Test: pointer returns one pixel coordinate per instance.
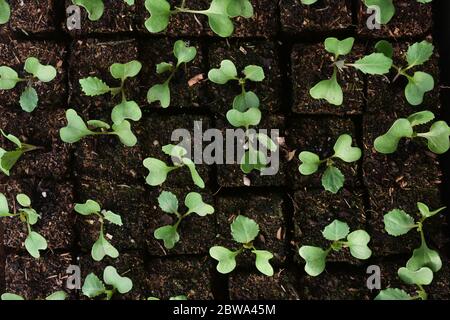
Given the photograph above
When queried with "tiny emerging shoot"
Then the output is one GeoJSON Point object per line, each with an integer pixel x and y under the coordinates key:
{"type": "Point", "coordinates": [397, 222]}
{"type": "Point", "coordinates": [330, 90]}
{"type": "Point", "coordinates": [77, 129]}
{"type": "Point", "coordinates": [438, 136]}
{"type": "Point", "coordinates": [168, 202]}
{"type": "Point", "coordinates": [95, 8]}
{"type": "Point", "coordinates": [332, 179]}
{"type": "Point", "coordinates": [219, 13]}
{"type": "Point", "coordinates": [9, 158]}
{"type": "Point", "coordinates": [93, 287]}
{"type": "Point", "coordinates": [5, 12]}
{"type": "Point", "coordinates": [55, 296]}
{"type": "Point", "coordinates": [338, 233]}
{"type": "Point", "coordinates": [101, 247]}
{"type": "Point", "coordinates": [93, 86]}
{"type": "Point", "coordinates": [27, 215]}
{"type": "Point", "coordinates": [244, 231]}
{"type": "Point", "coordinates": [159, 169]}
{"type": "Point", "coordinates": [419, 82]}
{"type": "Point", "coordinates": [9, 78]}
{"type": "Point", "coordinates": [161, 92]}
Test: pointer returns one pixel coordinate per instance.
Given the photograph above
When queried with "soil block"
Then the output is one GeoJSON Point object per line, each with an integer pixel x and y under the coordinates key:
{"type": "Point", "coordinates": [252, 286]}
{"type": "Point", "coordinates": [263, 54]}
{"type": "Point", "coordinates": [318, 136]}
{"type": "Point", "coordinates": [267, 211]}
{"type": "Point", "coordinates": [312, 64]}
{"type": "Point", "coordinates": [187, 87]}
{"type": "Point", "coordinates": [321, 17]}
{"type": "Point", "coordinates": [411, 19]}
{"type": "Point", "coordinates": [40, 128]}
{"type": "Point", "coordinates": [14, 53]}
{"type": "Point", "coordinates": [53, 202]}
{"type": "Point", "coordinates": [37, 278]}
{"type": "Point", "coordinates": [314, 210]}
{"type": "Point", "coordinates": [33, 16]}
{"type": "Point", "coordinates": [173, 277]}
{"type": "Point", "coordinates": [231, 175]}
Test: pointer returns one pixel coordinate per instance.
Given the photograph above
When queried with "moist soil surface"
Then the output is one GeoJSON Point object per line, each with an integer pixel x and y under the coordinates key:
{"type": "Point", "coordinates": [285, 38]}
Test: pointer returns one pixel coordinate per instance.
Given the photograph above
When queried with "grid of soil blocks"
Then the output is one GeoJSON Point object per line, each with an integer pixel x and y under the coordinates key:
{"type": "Point", "coordinates": [285, 38]}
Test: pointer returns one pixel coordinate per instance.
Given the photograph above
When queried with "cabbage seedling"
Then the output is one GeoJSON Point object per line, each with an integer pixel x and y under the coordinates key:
{"type": "Point", "coordinates": [101, 247]}
{"type": "Point", "coordinates": [5, 11]}
{"type": "Point", "coordinates": [438, 136]}
{"type": "Point", "coordinates": [159, 169]}
{"type": "Point", "coordinates": [34, 241]}
{"type": "Point", "coordinates": [77, 129]}
{"type": "Point", "coordinates": [397, 222]}
{"type": "Point", "coordinates": [332, 179]}
{"type": "Point", "coordinates": [338, 233]}
{"type": "Point", "coordinates": [168, 202]}
{"type": "Point", "coordinates": [9, 78]}
{"type": "Point", "coordinates": [161, 92]}
{"type": "Point", "coordinates": [9, 158]}
{"type": "Point", "coordinates": [385, 9]}
{"type": "Point", "coordinates": [419, 278]}
{"type": "Point", "coordinates": [330, 90]}
{"type": "Point", "coordinates": [58, 295]}
{"type": "Point", "coordinates": [93, 287]}
{"type": "Point", "coordinates": [95, 8]}
{"type": "Point", "coordinates": [219, 13]}
{"type": "Point", "coordinates": [244, 231]}
{"type": "Point", "coordinates": [419, 82]}
{"type": "Point", "coordinates": [93, 86]}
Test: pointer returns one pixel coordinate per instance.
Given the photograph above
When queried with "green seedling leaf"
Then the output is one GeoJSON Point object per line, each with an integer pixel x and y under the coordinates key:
{"type": "Point", "coordinates": [113, 218]}
{"type": "Point", "coordinates": [417, 86]}
{"type": "Point", "coordinates": [5, 13]}
{"type": "Point", "coordinates": [333, 179]}
{"type": "Point", "coordinates": [421, 117]}
{"type": "Point", "coordinates": [329, 90]}
{"type": "Point", "coordinates": [23, 200]}
{"type": "Point", "coordinates": [93, 286]}
{"type": "Point", "coordinates": [424, 257]}
{"type": "Point", "coordinates": [218, 18]}
{"type": "Point", "coordinates": [88, 208]}
{"type": "Point", "coordinates": [8, 159]}
{"type": "Point", "coordinates": [339, 47]}
{"type": "Point", "coordinates": [336, 230]}
{"type": "Point", "coordinates": [93, 86]}
{"type": "Point", "coordinates": [178, 298]}
{"type": "Point", "coordinates": [168, 202]}
{"type": "Point", "coordinates": [4, 209]}
{"type": "Point", "coordinates": [423, 276]}
{"type": "Point", "coordinates": [385, 8]}
{"type": "Point", "coordinates": [32, 215]}
{"type": "Point", "coordinates": [168, 234]}
{"type": "Point", "coordinates": [57, 296]}
{"type": "Point", "coordinates": [245, 101]}
{"type": "Point", "coordinates": [310, 163]}
{"type": "Point", "coordinates": [225, 73]}
{"type": "Point", "coordinates": [226, 258]}
{"type": "Point", "coordinates": [34, 243]}
{"type": "Point", "coordinates": [75, 130]}
{"type": "Point", "coordinates": [357, 242]}
{"type": "Point", "coordinates": [376, 63]}
{"type": "Point", "coordinates": [98, 124]}
{"type": "Point", "coordinates": [254, 73]}
{"type": "Point", "coordinates": [195, 204]}
{"type": "Point", "coordinates": [398, 222]}
{"type": "Point", "coordinates": [44, 73]}
{"type": "Point", "coordinates": [184, 53]}
{"type": "Point", "coordinates": [315, 259]}
{"type": "Point", "coordinates": [385, 47]}
{"type": "Point", "coordinates": [388, 142]}
{"type": "Point", "coordinates": [425, 210]}
{"type": "Point", "coordinates": [198, 181]}
{"type": "Point", "coordinates": [393, 294]}
{"type": "Point", "coordinates": [419, 53]}
{"type": "Point", "coordinates": [127, 70]}
{"type": "Point", "coordinates": [12, 138]}
{"type": "Point", "coordinates": [253, 160]}
{"type": "Point", "coordinates": [8, 77]}
{"type": "Point", "coordinates": [126, 110]}
{"type": "Point", "coordinates": [174, 151]}
{"type": "Point", "coordinates": [240, 8]}
{"type": "Point", "coordinates": [244, 230]}
{"type": "Point", "coordinates": [262, 262]}
{"type": "Point", "coordinates": [163, 67]}
{"type": "Point", "coordinates": [29, 99]}
{"type": "Point", "coordinates": [343, 149]}
{"type": "Point", "coordinates": [158, 171]}
{"type": "Point", "coordinates": [267, 142]}
{"type": "Point", "coordinates": [161, 93]}
{"type": "Point", "coordinates": [438, 137]}
{"type": "Point", "coordinates": [11, 296]}
{"type": "Point", "coordinates": [159, 15]}
{"type": "Point", "coordinates": [94, 8]}
{"type": "Point", "coordinates": [237, 119]}
{"type": "Point", "coordinates": [123, 131]}
{"type": "Point", "coordinates": [102, 248]}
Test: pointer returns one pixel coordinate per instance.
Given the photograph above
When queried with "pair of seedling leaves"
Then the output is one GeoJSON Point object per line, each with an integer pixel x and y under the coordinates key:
{"type": "Point", "coordinates": [438, 136]}
{"type": "Point", "coordinates": [9, 158]}
{"type": "Point", "coordinates": [385, 8]}
{"type": "Point", "coordinates": [332, 179]}
{"type": "Point", "coordinates": [338, 233]}
{"type": "Point", "coordinates": [55, 296]}
{"type": "Point", "coordinates": [94, 287]}
{"type": "Point", "coordinates": [159, 170]}
{"type": "Point", "coordinates": [244, 231]}
{"type": "Point", "coordinates": [245, 112]}
{"type": "Point", "coordinates": [34, 241]}
{"type": "Point", "coordinates": [9, 79]}
{"type": "Point", "coordinates": [424, 261]}
{"type": "Point", "coordinates": [168, 203]}
{"type": "Point", "coordinates": [219, 13]}
{"type": "Point", "coordinates": [95, 8]}
{"type": "Point", "coordinates": [101, 247]}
